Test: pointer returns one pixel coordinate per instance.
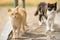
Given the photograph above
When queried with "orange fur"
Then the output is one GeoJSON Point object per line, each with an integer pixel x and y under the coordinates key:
{"type": "Point", "coordinates": [18, 20]}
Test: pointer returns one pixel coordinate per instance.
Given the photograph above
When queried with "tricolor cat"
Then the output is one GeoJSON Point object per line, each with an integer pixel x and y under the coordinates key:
{"type": "Point", "coordinates": [47, 11]}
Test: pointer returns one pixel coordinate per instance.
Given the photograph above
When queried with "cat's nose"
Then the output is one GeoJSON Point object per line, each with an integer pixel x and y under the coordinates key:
{"type": "Point", "coordinates": [15, 16]}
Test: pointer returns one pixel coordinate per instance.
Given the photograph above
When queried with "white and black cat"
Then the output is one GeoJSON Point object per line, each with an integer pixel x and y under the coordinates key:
{"type": "Point", "coordinates": [47, 11]}
{"type": "Point", "coordinates": [51, 16]}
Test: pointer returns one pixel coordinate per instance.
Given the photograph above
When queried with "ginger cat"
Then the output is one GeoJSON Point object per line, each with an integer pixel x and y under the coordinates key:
{"type": "Point", "coordinates": [17, 16]}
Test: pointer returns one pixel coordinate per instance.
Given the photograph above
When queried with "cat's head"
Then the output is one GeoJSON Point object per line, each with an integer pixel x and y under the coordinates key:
{"type": "Point", "coordinates": [13, 12]}
{"type": "Point", "coordinates": [52, 6]}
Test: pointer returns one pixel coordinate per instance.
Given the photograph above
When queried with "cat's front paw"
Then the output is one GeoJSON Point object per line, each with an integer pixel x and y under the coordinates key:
{"type": "Point", "coordinates": [52, 29]}
{"type": "Point", "coordinates": [40, 23]}
{"type": "Point", "coordinates": [47, 29]}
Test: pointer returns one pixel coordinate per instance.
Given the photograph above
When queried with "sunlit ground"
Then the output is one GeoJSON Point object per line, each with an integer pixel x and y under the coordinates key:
{"type": "Point", "coordinates": [30, 12]}
{"type": "Point", "coordinates": [3, 9]}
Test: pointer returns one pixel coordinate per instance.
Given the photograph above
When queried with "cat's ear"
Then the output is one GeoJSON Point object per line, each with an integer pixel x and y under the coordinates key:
{"type": "Point", "coordinates": [48, 4]}
{"type": "Point", "coordinates": [9, 10]}
{"type": "Point", "coordinates": [17, 8]}
{"type": "Point", "coordinates": [56, 4]}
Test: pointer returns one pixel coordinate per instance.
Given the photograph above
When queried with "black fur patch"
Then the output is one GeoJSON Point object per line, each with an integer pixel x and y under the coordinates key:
{"type": "Point", "coordinates": [52, 6]}
{"type": "Point", "coordinates": [41, 9]}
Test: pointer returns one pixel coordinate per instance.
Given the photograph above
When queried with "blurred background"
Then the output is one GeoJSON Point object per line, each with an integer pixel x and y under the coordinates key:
{"type": "Point", "coordinates": [27, 2]}
{"type": "Point", "coordinates": [4, 4]}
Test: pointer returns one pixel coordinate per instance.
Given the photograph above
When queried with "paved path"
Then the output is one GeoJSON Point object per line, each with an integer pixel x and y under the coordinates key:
{"type": "Point", "coordinates": [32, 21]}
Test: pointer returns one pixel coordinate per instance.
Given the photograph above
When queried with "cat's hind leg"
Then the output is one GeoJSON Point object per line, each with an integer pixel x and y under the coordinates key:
{"type": "Point", "coordinates": [40, 20]}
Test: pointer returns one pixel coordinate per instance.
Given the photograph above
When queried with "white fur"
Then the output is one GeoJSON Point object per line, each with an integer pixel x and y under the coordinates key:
{"type": "Point", "coordinates": [40, 23]}
{"type": "Point", "coordinates": [39, 13]}
{"type": "Point", "coordinates": [10, 18]}
{"type": "Point", "coordinates": [50, 15]}
{"type": "Point", "coordinates": [47, 25]}
{"type": "Point", "coordinates": [49, 12]}
{"type": "Point", "coordinates": [52, 23]}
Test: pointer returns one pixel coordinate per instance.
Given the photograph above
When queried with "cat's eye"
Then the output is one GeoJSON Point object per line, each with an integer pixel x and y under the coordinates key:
{"type": "Point", "coordinates": [12, 14]}
{"type": "Point", "coordinates": [16, 13]}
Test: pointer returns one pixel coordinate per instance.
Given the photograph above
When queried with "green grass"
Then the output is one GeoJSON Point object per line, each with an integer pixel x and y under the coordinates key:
{"type": "Point", "coordinates": [12, 4]}
{"type": "Point", "coordinates": [29, 4]}
{"type": "Point", "coordinates": [7, 4]}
